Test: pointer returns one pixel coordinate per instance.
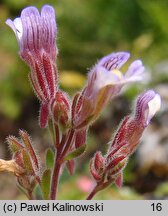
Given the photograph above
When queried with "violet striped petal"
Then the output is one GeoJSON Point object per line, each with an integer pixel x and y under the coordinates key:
{"type": "Point", "coordinates": [148, 104]}
{"type": "Point", "coordinates": [114, 60]}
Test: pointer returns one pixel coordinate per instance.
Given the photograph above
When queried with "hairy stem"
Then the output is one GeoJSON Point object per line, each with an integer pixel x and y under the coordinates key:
{"type": "Point", "coordinates": [92, 194]}
{"type": "Point", "coordinates": [100, 186]}
{"type": "Point", "coordinates": [66, 143]}
{"type": "Point", "coordinates": [57, 136]}
{"type": "Point", "coordinates": [69, 142]}
{"type": "Point", "coordinates": [55, 179]}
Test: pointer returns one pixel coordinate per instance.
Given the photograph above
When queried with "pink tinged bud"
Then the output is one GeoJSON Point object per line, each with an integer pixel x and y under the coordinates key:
{"type": "Point", "coordinates": [148, 104]}
{"type": "Point", "coordinates": [105, 81]}
{"type": "Point", "coordinates": [94, 173]}
{"type": "Point", "coordinates": [119, 136]}
{"type": "Point", "coordinates": [23, 159]}
{"type": "Point", "coordinates": [19, 159]}
{"type": "Point", "coordinates": [116, 165]}
{"type": "Point", "coordinates": [71, 166]}
{"type": "Point", "coordinates": [98, 161]}
{"type": "Point", "coordinates": [24, 153]}
{"type": "Point", "coordinates": [60, 109]}
{"type": "Point", "coordinates": [129, 133]}
{"type": "Point", "coordinates": [36, 35]}
{"type": "Point", "coordinates": [44, 115]}
{"type": "Point", "coordinates": [29, 146]}
{"type": "Point", "coordinates": [97, 166]}
{"type": "Point", "coordinates": [80, 138]}
{"type": "Point", "coordinates": [119, 180]}
{"type": "Point", "coordinates": [76, 104]}
{"type": "Point", "coordinates": [124, 143]}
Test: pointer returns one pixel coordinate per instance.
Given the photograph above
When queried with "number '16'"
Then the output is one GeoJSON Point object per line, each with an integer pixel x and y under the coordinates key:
{"type": "Point", "coordinates": [156, 206]}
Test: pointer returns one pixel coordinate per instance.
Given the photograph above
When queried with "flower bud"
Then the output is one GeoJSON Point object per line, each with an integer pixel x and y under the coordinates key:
{"type": "Point", "coordinates": [129, 133]}
{"type": "Point", "coordinates": [60, 110]}
{"type": "Point", "coordinates": [36, 35]}
{"type": "Point", "coordinates": [119, 180]}
{"type": "Point", "coordinates": [97, 166]}
{"type": "Point", "coordinates": [148, 104]}
{"type": "Point", "coordinates": [80, 137]}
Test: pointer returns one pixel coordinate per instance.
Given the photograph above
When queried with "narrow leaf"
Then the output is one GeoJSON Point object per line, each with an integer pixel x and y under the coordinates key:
{"type": "Point", "coordinates": [14, 144]}
{"type": "Point", "coordinates": [71, 166]}
{"type": "Point", "coordinates": [27, 141]}
{"type": "Point", "coordinates": [51, 129]}
{"type": "Point", "coordinates": [45, 183]}
{"type": "Point", "coordinates": [38, 193]}
{"type": "Point", "coordinates": [75, 153]}
{"type": "Point", "coordinates": [27, 161]}
{"type": "Point", "coordinates": [50, 158]}
{"type": "Point", "coordinates": [74, 103]}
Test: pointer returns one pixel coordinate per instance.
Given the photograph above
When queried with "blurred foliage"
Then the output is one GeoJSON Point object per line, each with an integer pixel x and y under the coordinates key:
{"type": "Point", "coordinates": [88, 30]}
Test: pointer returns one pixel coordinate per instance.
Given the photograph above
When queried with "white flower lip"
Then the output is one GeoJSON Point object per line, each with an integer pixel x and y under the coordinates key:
{"type": "Point", "coordinates": [16, 26]}
{"type": "Point", "coordinates": [105, 77]}
{"type": "Point", "coordinates": [154, 106]}
{"type": "Point", "coordinates": [19, 28]}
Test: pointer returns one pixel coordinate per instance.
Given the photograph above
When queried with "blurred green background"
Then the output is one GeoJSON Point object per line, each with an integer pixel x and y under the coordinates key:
{"type": "Point", "coordinates": [88, 30]}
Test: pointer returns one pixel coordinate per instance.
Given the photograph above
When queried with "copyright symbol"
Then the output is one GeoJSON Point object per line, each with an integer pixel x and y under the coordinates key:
{"type": "Point", "coordinates": [9, 207]}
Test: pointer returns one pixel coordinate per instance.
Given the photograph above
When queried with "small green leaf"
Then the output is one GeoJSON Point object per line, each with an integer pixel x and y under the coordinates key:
{"type": "Point", "coordinates": [75, 153]}
{"type": "Point", "coordinates": [50, 158]}
{"type": "Point", "coordinates": [51, 129]}
{"type": "Point", "coordinates": [27, 161]}
{"type": "Point", "coordinates": [28, 144]}
{"type": "Point", "coordinates": [38, 193]}
{"type": "Point", "coordinates": [45, 183]}
{"type": "Point", "coordinates": [14, 144]}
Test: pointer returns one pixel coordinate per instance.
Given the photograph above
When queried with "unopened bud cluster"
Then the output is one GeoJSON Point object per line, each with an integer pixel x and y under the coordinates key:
{"type": "Point", "coordinates": [125, 141]}
{"type": "Point", "coordinates": [26, 159]}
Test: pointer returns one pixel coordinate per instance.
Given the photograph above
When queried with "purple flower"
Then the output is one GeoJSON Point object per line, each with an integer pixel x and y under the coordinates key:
{"type": "Point", "coordinates": [131, 129]}
{"type": "Point", "coordinates": [109, 168]}
{"type": "Point", "coordinates": [105, 80]}
{"type": "Point", "coordinates": [148, 104]}
{"type": "Point", "coordinates": [36, 34]}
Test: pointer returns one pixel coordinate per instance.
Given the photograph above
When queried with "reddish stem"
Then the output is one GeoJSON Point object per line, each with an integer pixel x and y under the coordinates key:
{"type": "Point", "coordinates": [100, 186]}
{"type": "Point", "coordinates": [59, 161]}
{"type": "Point", "coordinates": [57, 135]}
{"type": "Point", "coordinates": [55, 179]}
{"type": "Point", "coordinates": [92, 194]}
{"type": "Point", "coordinates": [62, 144]}
{"type": "Point", "coordinates": [68, 143]}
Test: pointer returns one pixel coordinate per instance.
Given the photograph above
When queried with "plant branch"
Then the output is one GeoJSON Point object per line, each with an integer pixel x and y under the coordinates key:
{"type": "Point", "coordinates": [100, 186]}
{"type": "Point", "coordinates": [68, 143]}
{"type": "Point", "coordinates": [55, 178]}
{"type": "Point", "coordinates": [62, 149]}
{"type": "Point", "coordinates": [57, 136]}
{"type": "Point", "coordinates": [92, 194]}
